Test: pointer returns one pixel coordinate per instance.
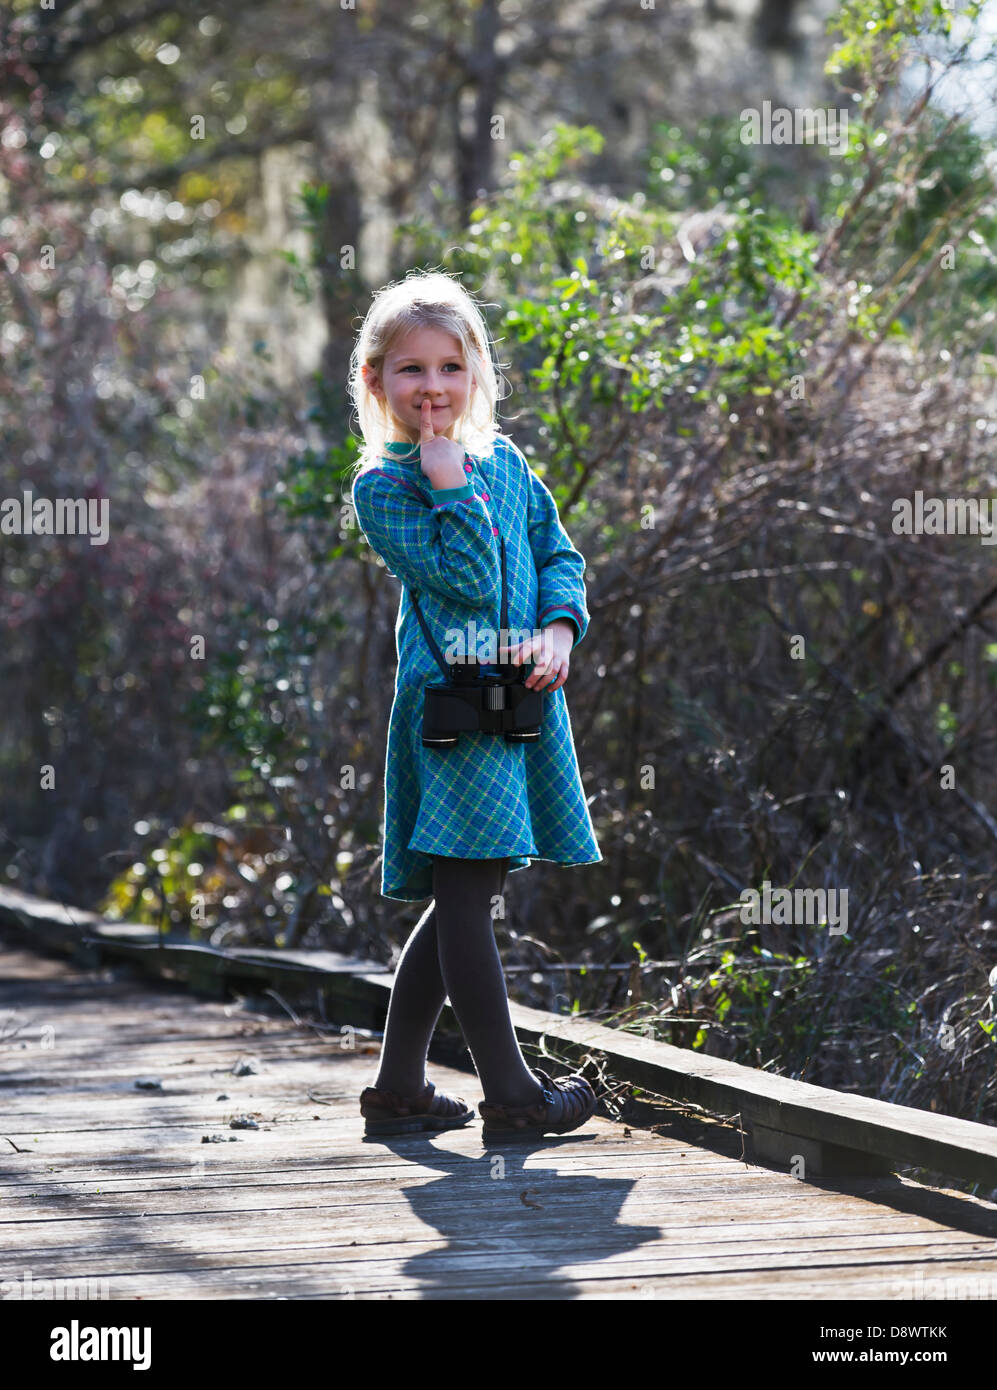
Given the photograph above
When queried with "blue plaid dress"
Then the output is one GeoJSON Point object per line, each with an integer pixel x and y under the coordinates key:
{"type": "Point", "coordinates": [486, 798]}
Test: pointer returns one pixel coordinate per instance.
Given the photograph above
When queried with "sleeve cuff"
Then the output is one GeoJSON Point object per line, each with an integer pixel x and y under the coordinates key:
{"type": "Point", "coordinates": [443, 495]}
{"type": "Point", "coordinates": [554, 613]}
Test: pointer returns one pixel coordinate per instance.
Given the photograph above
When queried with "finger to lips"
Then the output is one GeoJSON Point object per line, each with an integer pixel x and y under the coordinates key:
{"type": "Point", "coordinates": [427, 420]}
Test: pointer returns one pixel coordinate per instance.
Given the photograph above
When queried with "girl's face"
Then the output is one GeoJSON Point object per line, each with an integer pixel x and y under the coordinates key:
{"type": "Point", "coordinates": [425, 362]}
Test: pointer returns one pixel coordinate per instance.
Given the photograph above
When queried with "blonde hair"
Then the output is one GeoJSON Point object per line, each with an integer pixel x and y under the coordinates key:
{"type": "Point", "coordinates": [425, 298]}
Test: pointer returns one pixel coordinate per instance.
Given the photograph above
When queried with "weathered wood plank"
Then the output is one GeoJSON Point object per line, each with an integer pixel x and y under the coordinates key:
{"type": "Point", "coordinates": [424, 1274]}
{"type": "Point", "coordinates": [283, 1252]}
{"type": "Point", "coordinates": [110, 1223]}
{"type": "Point", "coordinates": [393, 1266]}
{"type": "Point", "coordinates": [289, 1235]}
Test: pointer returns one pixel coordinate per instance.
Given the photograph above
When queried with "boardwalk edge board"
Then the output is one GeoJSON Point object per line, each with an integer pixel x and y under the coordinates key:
{"type": "Point", "coordinates": [784, 1120]}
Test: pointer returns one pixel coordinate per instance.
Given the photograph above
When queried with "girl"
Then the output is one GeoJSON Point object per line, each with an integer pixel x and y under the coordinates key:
{"type": "Point", "coordinates": [458, 819]}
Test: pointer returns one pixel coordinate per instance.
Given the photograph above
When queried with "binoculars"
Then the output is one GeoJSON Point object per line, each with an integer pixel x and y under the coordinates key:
{"type": "Point", "coordinates": [472, 701]}
{"type": "Point", "coordinates": [493, 704]}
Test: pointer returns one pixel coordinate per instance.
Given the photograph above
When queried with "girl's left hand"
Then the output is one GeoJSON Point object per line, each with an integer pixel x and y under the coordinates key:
{"type": "Point", "coordinates": [550, 653]}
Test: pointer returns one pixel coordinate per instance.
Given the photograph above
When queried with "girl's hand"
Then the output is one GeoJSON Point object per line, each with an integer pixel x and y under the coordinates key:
{"type": "Point", "coordinates": [441, 459]}
{"type": "Point", "coordinates": [550, 652]}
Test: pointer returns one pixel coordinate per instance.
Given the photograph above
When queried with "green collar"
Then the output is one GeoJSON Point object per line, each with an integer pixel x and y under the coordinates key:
{"type": "Point", "coordinates": [402, 452]}
{"type": "Point", "coordinates": [399, 447]}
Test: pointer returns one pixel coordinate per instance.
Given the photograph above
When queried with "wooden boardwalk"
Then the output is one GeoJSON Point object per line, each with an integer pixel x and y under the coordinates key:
{"type": "Point", "coordinates": [100, 1179]}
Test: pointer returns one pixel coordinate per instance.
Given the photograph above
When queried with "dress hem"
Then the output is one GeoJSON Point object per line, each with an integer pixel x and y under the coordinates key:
{"type": "Point", "coordinates": [399, 896]}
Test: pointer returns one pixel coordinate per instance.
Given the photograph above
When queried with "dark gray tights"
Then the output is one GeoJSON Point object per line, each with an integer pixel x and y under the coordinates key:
{"type": "Point", "coordinates": [452, 952]}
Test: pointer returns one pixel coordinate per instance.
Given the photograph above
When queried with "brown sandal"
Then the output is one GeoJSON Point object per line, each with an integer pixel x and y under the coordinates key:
{"type": "Point", "coordinates": [387, 1112]}
{"type": "Point", "coordinates": [571, 1097]}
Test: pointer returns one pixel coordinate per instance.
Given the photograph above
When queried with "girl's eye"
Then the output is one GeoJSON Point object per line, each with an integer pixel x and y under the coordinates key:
{"type": "Point", "coordinates": [414, 367]}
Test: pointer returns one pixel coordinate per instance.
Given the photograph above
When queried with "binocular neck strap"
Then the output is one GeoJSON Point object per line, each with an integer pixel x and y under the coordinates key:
{"type": "Point", "coordinates": [440, 659]}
